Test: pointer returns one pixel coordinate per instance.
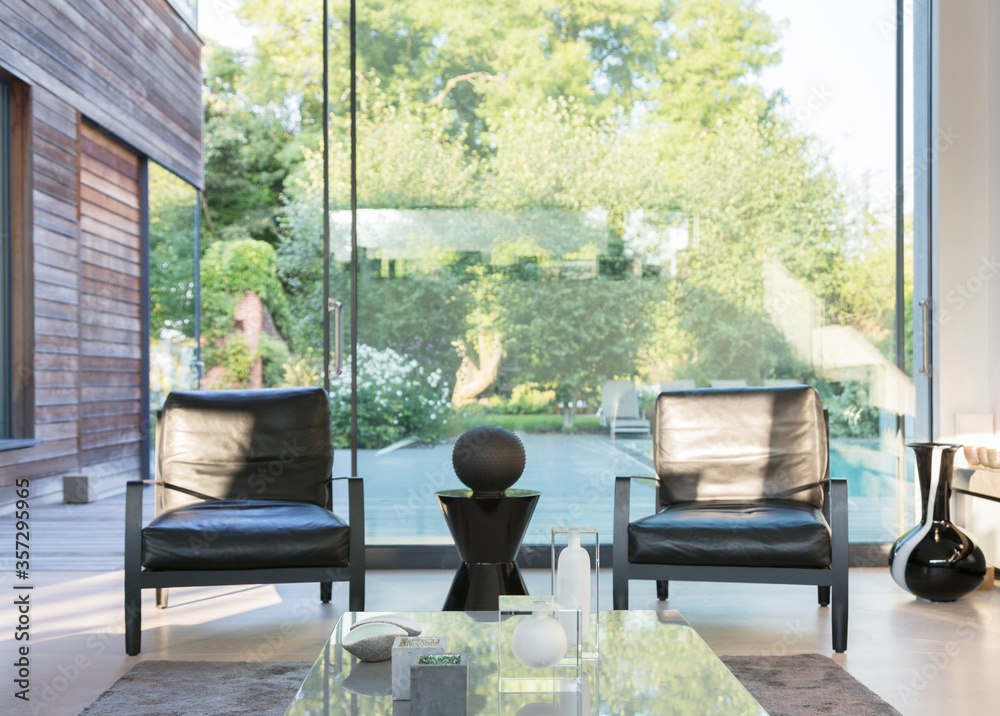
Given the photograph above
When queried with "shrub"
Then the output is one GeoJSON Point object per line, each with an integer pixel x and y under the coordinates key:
{"type": "Point", "coordinates": [546, 423]}
{"type": "Point", "coordinates": [303, 371]}
{"type": "Point", "coordinates": [273, 354]}
{"type": "Point", "coordinates": [397, 398]}
{"type": "Point", "coordinates": [527, 399]}
{"type": "Point", "coordinates": [235, 356]}
{"type": "Point", "coordinates": [230, 270]}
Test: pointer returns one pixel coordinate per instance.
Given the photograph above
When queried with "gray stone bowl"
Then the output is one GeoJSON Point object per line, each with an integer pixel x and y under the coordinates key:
{"type": "Point", "coordinates": [372, 642]}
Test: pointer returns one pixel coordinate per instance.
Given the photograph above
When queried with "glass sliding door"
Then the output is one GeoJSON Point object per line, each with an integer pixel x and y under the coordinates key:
{"type": "Point", "coordinates": [841, 309]}
{"type": "Point", "coordinates": [923, 147]}
{"type": "Point", "coordinates": [173, 249]}
{"type": "Point", "coordinates": [564, 210]}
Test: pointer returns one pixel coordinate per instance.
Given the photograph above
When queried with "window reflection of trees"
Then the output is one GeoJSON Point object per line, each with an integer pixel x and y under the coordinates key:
{"type": "Point", "coordinates": [558, 198]}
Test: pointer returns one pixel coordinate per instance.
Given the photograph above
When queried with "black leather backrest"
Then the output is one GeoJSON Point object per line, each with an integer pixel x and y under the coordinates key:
{"type": "Point", "coordinates": [740, 444]}
{"type": "Point", "coordinates": [245, 444]}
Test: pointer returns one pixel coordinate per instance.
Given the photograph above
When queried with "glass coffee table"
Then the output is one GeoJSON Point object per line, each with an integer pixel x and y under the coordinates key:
{"type": "Point", "coordinates": [650, 662]}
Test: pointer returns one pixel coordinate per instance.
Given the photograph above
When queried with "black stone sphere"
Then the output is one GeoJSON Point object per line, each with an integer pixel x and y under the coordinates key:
{"type": "Point", "coordinates": [488, 459]}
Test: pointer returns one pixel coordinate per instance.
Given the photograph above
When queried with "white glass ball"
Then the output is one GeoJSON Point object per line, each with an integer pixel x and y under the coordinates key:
{"type": "Point", "coordinates": [539, 642]}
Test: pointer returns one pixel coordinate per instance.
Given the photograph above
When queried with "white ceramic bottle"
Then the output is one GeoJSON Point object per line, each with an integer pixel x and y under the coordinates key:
{"type": "Point", "coordinates": [573, 583]}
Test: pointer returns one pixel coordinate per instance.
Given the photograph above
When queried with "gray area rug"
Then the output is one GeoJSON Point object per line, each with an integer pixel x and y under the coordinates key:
{"type": "Point", "coordinates": [784, 686]}
{"type": "Point", "coordinates": [805, 684]}
{"type": "Point", "coordinates": [202, 688]}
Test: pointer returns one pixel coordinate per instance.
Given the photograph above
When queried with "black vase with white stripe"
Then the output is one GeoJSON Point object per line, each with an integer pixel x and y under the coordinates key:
{"type": "Point", "coordinates": [936, 560]}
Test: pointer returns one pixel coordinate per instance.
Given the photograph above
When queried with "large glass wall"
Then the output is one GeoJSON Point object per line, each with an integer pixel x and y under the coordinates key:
{"type": "Point", "coordinates": [565, 212]}
{"type": "Point", "coordinates": [562, 211]}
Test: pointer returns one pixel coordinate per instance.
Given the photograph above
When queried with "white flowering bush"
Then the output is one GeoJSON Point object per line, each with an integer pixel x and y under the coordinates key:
{"type": "Point", "coordinates": [397, 398]}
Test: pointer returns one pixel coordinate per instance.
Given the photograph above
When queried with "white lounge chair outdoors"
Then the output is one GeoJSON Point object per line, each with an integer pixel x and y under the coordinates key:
{"type": "Point", "coordinates": [620, 409]}
{"type": "Point", "coordinates": [731, 383]}
{"type": "Point", "coordinates": [679, 384]}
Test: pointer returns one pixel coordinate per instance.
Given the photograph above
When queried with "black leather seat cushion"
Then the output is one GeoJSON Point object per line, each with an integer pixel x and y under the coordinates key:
{"type": "Point", "coordinates": [245, 534]}
{"type": "Point", "coordinates": [764, 534]}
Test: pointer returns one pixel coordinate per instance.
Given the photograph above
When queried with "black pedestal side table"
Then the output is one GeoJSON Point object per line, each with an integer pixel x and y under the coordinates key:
{"type": "Point", "coordinates": [488, 533]}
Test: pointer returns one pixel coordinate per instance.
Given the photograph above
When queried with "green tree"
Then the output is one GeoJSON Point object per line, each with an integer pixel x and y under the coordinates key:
{"type": "Point", "coordinates": [866, 296]}
{"type": "Point", "coordinates": [229, 271]}
{"type": "Point", "coordinates": [680, 60]}
{"type": "Point", "coordinates": [759, 193]}
{"type": "Point", "coordinates": [707, 62]}
{"type": "Point", "coordinates": [172, 207]}
{"type": "Point", "coordinates": [250, 148]}
{"type": "Point", "coordinates": [623, 111]}
{"type": "Point", "coordinates": [574, 335]}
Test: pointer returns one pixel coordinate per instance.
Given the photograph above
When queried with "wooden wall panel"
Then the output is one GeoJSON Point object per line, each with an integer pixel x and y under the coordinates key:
{"type": "Point", "coordinates": [132, 66]}
{"type": "Point", "coordinates": [110, 327]}
{"type": "Point", "coordinates": [56, 295]}
{"type": "Point", "coordinates": [87, 254]}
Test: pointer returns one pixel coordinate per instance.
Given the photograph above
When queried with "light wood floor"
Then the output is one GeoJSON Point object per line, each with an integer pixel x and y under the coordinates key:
{"type": "Point", "coordinates": [922, 658]}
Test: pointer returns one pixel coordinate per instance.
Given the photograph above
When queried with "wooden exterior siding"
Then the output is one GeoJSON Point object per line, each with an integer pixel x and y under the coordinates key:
{"type": "Point", "coordinates": [131, 66]}
{"type": "Point", "coordinates": [56, 296]}
{"type": "Point", "coordinates": [87, 259]}
{"type": "Point", "coordinates": [110, 323]}
{"type": "Point", "coordinates": [106, 84]}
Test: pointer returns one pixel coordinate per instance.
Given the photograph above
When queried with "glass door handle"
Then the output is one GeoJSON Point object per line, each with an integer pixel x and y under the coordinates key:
{"type": "Point", "coordinates": [927, 369]}
{"type": "Point", "coordinates": [337, 308]}
{"type": "Point", "coordinates": [198, 369]}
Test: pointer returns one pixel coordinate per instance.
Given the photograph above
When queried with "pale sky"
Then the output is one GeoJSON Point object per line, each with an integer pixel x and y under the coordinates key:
{"type": "Point", "coordinates": [217, 21]}
{"type": "Point", "coordinates": [838, 71]}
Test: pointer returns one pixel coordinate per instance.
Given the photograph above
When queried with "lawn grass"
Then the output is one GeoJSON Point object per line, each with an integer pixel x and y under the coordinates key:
{"type": "Point", "coordinates": [545, 423]}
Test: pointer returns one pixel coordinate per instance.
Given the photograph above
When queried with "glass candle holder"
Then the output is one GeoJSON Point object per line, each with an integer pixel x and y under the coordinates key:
{"type": "Point", "coordinates": [538, 645]}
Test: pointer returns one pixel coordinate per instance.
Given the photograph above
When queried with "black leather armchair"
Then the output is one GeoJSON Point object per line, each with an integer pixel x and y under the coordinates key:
{"type": "Point", "coordinates": [743, 494]}
{"type": "Point", "coordinates": [243, 496]}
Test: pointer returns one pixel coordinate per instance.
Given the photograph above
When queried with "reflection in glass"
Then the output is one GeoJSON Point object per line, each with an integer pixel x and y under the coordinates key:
{"type": "Point", "coordinates": [172, 233]}
{"type": "Point", "coordinates": [649, 666]}
{"type": "Point", "coordinates": [552, 201]}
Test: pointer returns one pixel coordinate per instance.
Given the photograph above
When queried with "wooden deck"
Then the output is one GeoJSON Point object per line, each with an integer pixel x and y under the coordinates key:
{"type": "Point", "coordinates": [78, 538]}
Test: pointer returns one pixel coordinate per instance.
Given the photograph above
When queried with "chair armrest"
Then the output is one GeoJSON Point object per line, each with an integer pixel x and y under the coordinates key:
{"type": "Point", "coordinates": [838, 518]}
{"type": "Point", "coordinates": [623, 491]}
{"type": "Point", "coordinates": [623, 496]}
{"type": "Point", "coordinates": [356, 517]}
{"type": "Point", "coordinates": [133, 502]}
{"type": "Point", "coordinates": [133, 523]}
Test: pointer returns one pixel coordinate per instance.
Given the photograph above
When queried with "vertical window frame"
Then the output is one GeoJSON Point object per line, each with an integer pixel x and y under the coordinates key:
{"type": "Point", "coordinates": [6, 402]}
{"type": "Point", "coordinates": [19, 290]}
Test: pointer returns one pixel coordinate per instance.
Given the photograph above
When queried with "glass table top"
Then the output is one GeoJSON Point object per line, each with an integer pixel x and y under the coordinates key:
{"type": "Point", "coordinates": [650, 662]}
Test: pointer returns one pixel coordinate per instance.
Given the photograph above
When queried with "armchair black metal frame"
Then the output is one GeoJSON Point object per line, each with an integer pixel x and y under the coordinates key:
{"type": "Point", "coordinates": [833, 578]}
{"type": "Point", "coordinates": [137, 578]}
{"type": "Point", "coordinates": [264, 458]}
